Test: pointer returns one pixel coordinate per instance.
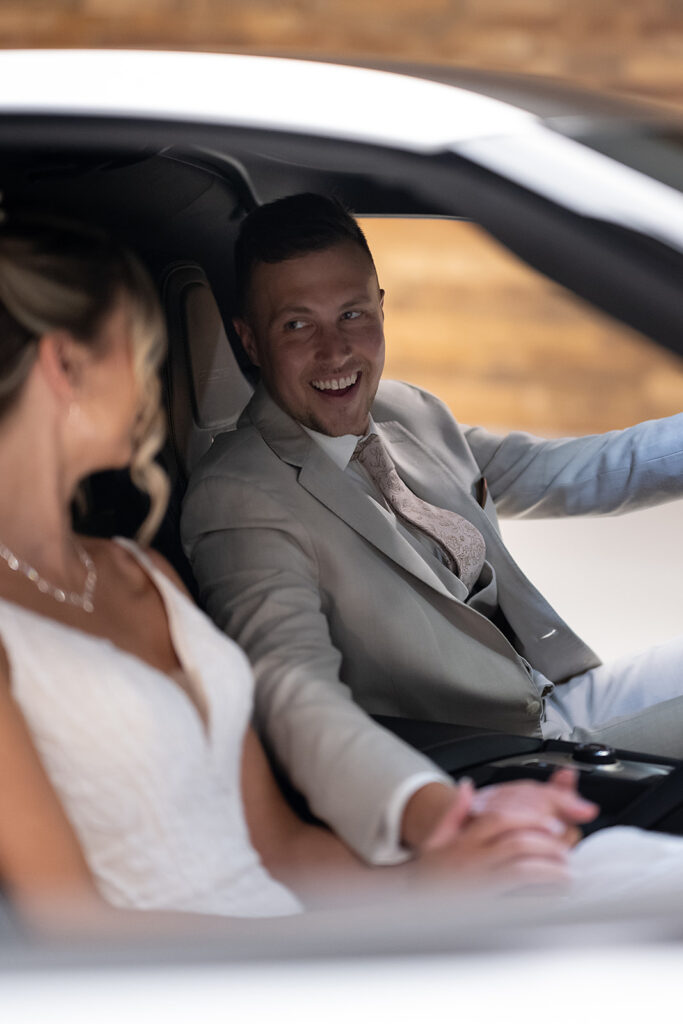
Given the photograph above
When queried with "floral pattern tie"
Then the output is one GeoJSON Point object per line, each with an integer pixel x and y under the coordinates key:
{"type": "Point", "coordinates": [462, 542]}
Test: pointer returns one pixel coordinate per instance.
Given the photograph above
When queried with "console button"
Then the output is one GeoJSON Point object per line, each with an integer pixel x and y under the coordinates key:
{"type": "Point", "coordinates": [594, 753]}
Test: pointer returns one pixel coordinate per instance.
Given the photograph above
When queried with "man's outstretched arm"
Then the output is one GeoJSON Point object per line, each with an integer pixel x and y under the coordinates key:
{"type": "Point", "coordinates": [618, 471]}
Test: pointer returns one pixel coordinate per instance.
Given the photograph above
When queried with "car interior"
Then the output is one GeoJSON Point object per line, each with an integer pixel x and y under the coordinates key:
{"type": "Point", "coordinates": [176, 195]}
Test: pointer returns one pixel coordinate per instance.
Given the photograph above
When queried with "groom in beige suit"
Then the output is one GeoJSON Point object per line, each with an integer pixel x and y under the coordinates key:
{"type": "Point", "coordinates": [346, 605]}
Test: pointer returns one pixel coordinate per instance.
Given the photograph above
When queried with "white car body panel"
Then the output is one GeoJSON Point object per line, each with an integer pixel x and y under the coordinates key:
{"type": "Point", "coordinates": [275, 93]}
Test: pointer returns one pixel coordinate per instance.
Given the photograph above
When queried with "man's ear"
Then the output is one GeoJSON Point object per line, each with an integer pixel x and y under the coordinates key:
{"type": "Point", "coordinates": [62, 361]}
{"type": "Point", "coordinates": [246, 336]}
{"type": "Point", "coordinates": [381, 301]}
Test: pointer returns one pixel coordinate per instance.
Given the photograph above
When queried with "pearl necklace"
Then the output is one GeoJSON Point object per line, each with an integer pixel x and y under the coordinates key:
{"type": "Point", "coordinates": [84, 600]}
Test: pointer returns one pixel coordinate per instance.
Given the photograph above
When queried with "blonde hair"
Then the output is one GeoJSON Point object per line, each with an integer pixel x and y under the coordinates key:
{"type": "Point", "coordinates": [71, 278]}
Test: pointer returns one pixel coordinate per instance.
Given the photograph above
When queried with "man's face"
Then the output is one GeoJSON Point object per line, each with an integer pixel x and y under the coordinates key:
{"type": "Point", "coordinates": [314, 327]}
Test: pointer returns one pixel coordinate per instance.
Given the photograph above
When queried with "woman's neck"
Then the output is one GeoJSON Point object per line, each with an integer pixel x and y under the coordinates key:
{"type": "Point", "coordinates": [35, 500]}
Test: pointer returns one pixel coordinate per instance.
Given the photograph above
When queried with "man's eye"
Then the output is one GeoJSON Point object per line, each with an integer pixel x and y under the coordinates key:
{"type": "Point", "coordinates": [351, 314]}
{"type": "Point", "coordinates": [295, 325]}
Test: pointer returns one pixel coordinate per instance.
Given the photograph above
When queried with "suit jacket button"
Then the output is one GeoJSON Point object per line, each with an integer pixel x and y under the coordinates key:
{"type": "Point", "coordinates": [534, 708]}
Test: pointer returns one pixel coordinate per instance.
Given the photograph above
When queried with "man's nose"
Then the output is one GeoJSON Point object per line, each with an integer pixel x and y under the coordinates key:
{"type": "Point", "coordinates": [333, 343]}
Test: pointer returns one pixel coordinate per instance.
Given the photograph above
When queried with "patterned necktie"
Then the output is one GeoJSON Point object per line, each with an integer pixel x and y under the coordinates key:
{"type": "Point", "coordinates": [462, 543]}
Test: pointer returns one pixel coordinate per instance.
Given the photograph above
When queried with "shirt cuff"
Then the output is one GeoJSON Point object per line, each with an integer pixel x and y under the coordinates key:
{"type": "Point", "coordinates": [388, 848]}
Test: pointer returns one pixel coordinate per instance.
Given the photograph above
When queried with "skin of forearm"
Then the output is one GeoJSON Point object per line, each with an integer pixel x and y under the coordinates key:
{"type": "Point", "coordinates": [315, 863]}
{"type": "Point", "coordinates": [325, 873]}
{"type": "Point", "coordinates": [317, 866]}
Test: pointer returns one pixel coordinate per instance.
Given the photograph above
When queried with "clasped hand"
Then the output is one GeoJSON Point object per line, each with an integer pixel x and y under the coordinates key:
{"type": "Point", "coordinates": [516, 832]}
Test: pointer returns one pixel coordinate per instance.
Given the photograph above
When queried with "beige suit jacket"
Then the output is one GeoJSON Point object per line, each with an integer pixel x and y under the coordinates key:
{"type": "Point", "coordinates": [338, 612]}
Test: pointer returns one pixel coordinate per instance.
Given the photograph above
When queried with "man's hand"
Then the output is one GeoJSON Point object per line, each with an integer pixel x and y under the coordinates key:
{"type": "Point", "coordinates": [517, 831]}
{"type": "Point", "coordinates": [557, 803]}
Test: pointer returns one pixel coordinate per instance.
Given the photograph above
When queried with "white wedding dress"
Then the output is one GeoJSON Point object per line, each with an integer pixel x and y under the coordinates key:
{"type": "Point", "coordinates": [153, 795]}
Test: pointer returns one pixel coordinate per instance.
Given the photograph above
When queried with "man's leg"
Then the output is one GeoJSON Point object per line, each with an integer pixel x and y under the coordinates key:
{"type": "Point", "coordinates": [634, 702]}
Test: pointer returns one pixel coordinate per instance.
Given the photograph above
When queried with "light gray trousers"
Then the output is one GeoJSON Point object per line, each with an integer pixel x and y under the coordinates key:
{"type": "Point", "coordinates": [635, 702]}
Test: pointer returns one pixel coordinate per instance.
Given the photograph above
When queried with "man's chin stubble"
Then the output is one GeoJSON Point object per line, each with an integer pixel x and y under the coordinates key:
{"type": "Point", "coordinates": [313, 423]}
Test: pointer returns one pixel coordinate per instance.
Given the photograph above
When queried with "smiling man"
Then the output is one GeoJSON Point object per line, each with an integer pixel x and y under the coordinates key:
{"type": "Point", "coordinates": [346, 536]}
{"type": "Point", "coordinates": [314, 327]}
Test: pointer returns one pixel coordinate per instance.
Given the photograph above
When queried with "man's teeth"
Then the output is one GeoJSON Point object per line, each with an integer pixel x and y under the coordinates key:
{"type": "Point", "coordinates": [336, 384]}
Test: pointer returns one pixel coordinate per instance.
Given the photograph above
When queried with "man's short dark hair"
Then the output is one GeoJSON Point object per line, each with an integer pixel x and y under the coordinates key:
{"type": "Point", "coordinates": [290, 227]}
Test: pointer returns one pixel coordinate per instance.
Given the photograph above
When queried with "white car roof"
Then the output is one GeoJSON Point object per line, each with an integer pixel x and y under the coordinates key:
{"type": "Point", "coordinates": [354, 103]}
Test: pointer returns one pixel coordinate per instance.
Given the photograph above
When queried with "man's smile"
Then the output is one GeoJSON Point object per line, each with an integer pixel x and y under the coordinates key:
{"type": "Point", "coordinates": [336, 387]}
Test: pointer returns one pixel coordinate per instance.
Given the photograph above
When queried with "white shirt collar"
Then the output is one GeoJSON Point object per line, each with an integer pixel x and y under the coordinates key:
{"type": "Point", "coordinates": [339, 449]}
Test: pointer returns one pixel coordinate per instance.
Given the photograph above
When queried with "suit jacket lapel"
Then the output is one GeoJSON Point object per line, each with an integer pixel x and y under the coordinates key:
{"type": "Point", "coordinates": [326, 482]}
{"type": "Point", "coordinates": [329, 485]}
{"type": "Point", "coordinates": [422, 470]}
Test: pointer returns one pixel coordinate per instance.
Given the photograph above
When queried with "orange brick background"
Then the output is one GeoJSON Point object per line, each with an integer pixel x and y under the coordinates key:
{"type": "Point", "coordinates": [502, 346]}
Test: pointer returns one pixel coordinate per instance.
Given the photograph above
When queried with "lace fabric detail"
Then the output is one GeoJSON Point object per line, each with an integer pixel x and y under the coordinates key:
{"type": "Point", "coordinates": [153, 795]}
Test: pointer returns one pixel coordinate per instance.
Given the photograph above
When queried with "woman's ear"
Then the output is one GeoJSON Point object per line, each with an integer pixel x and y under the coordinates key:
{"type": "Point", "coordinates": [62, 360]}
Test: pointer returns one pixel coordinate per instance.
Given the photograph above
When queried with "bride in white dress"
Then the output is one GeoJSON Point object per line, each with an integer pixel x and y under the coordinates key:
{"type": "Point", "coordinates": [129, 777]}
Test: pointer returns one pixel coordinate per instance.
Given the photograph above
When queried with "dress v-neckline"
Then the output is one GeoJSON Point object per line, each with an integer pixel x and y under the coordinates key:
{"type": "Point", "coordinates": [198, 700]}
